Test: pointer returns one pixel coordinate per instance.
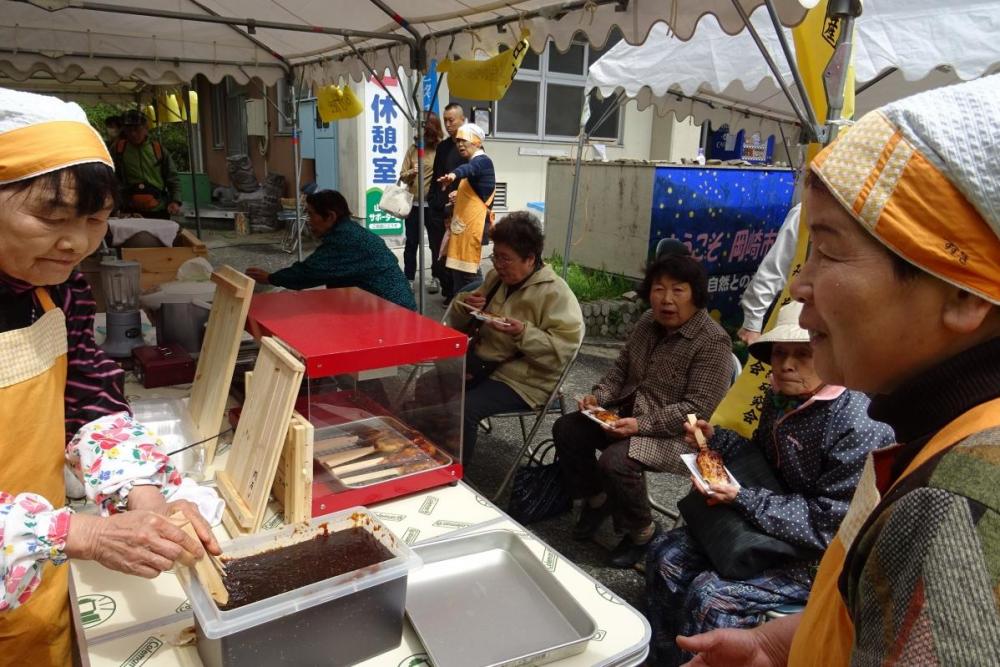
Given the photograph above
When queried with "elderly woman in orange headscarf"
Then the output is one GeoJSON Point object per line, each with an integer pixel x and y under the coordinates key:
{"type": "Point", "coordinates": [60, 397]}
{"type": "Point", "coordinates": [473, 207]}
{"type": "Point", "coordinates": [900, 296]}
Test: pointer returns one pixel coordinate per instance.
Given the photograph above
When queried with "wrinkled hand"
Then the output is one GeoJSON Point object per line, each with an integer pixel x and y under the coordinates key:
{"type": "Point", "coordinates": [475, 300]}
{"type": "Point", "coordinates": [707, 430]}
{"type": "Point", "coordinates": [509, 326]}
{"type": "Point", "coordinates": [723, 648]}
{"type": "Point", "coordinates": [588, 401]}
{"type": "Point", "coordinates": [625, 427]}
{"type": "Point", "coordinates": [446, 180]}
{"type": "Point", "coordinates": [721, 494]}
{"type": "Point", "coordinates": [747, 336]}
{"type": "Point", "coordinates": [150, 498]}
{"type": "Point", "coordinates": [173, 208]}
{"type": "Point", "coordinates": [140, 542]}
{"type": "Point", "coordinates": [452, 196]}
{"type": "Point", "coordinates": [260, 275]}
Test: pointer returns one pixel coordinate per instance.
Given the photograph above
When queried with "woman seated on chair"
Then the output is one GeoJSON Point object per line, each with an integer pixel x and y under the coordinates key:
{"type": "Point", "coordinates": [348, 256]}
{"type": "Point", "coordinates": [515, 357]}
{"type": "Point", "coordinates": [677, 360]}
{"type": "Point", "coordinates": [814, 438]}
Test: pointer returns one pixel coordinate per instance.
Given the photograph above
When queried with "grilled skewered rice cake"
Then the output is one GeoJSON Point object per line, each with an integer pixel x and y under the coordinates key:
{"type": "Point", "coordinates": [711, 466]}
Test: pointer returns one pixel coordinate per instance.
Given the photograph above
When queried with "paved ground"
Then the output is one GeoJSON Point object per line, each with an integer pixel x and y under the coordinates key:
{"type": "Point", "coordinates": [495, 451]}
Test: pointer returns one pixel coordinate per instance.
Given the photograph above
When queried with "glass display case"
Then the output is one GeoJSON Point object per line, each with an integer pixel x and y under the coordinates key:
{"type": "Point", "coordinates": [383, 389]}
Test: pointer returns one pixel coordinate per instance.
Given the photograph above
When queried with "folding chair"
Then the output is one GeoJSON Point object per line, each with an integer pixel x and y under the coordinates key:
{"type": "Point", "coordinates": [555, 404]}
{"type": "Point", "coordinates": [663, 509]}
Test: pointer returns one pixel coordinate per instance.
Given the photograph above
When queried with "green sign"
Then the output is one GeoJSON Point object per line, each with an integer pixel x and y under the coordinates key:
{"type": "Point", "coordinates": [377, 220]}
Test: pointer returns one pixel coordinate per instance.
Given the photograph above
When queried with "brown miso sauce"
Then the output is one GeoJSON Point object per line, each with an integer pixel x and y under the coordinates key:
{"type": "Point", "coordinates": [278, 571]}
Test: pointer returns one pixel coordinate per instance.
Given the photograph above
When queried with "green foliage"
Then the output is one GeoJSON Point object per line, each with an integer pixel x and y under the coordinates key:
{"type": "Point", "coordinates": [591, 284]}
{"type": "Point", "coordinates": [173, 136]}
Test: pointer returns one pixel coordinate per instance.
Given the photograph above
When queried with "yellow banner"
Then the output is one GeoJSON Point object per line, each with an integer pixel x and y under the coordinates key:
{"type": "Point", "coordinates": [337, 103]}
{"type": "Point", "coordinates": [815, 39]}
{"type": "Point", "coordinates": [484, 79]}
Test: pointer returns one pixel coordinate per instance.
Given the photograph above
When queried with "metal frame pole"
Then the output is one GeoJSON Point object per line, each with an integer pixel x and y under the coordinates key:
{"type": "Point", "coordinates": [186, 92]}
{"type": "Point", "coordinates": [297, 158]}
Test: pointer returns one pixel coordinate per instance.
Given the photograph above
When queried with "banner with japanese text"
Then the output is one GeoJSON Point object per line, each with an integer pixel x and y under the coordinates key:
{"type": "Point", "coordinates": [385, 142]}
{"type": "Point", "coordinates": [728, 217]}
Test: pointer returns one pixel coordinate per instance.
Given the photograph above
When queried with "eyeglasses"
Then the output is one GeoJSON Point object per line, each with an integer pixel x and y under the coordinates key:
{"type": "Point", "coordinates": [500, 260]}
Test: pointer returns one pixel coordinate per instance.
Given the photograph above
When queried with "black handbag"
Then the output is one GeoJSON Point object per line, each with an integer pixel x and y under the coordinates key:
{"type": "Point", "coordinates": [537, 491]}
{"type": "Point", "coordinates": [737, 548]}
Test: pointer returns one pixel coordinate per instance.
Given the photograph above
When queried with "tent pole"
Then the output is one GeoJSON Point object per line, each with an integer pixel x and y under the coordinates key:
{"type": "Point", "coordinates": [572, 201]}
{"type": "Point", "coordinates": [186, 92]}
{"type": "Point", "coordinates": [774, 69]}
{"type": "Point", "coordinates": [418, 100]}
{"type": "Point", "coordinates": [249, 23]}
{"type": "Point", "coordinates": [297, 158]}
{"type": "Point", "coordinates": [835, 76]}
{"type": "Point", "coordinates": [796, 75]}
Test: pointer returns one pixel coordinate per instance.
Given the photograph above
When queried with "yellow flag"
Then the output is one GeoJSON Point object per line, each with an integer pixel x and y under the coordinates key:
{"type": "Point", "coordinates": [815, 39]}
{"type": "Point", "coordinates": [337, 103]}
{"type": "Point", "coordinates": [484, 79]}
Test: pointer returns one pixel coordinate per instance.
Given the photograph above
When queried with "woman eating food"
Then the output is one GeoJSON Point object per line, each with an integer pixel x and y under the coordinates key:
{"type": "Point", "coordinates": [812, 439]}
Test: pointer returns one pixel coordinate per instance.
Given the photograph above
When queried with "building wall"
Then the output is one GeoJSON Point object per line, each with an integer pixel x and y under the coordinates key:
{"type": "Point", "coordinates": [278, 156]}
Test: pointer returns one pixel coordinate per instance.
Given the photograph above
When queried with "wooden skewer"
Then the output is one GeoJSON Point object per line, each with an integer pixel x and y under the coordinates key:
{"type": "Point", "coordinates": [340, 471]}
{"type": "Point", "coordinates": [344, 457]}
{"type": "Point", "coordinates": [209, 569]}
{"type": "Point", "coordinates": [378, 474]}
{"type": "Point", "coordinates": [699, 437]}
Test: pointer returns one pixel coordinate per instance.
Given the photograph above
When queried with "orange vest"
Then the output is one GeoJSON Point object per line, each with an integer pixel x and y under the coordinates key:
{"type": "Point", "coordinates": [825, 636]}
{"type": "Point", "coordinates": [33, 451]}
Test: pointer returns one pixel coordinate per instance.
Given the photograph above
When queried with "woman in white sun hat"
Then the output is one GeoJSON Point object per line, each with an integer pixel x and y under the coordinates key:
{"type": "Point", "coordinates": [811, 441]}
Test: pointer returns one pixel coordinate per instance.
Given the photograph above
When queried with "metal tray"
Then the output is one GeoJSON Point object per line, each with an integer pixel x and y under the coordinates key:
{"type": "Point", "coordinates": [486, 600]}
{"type": "Point", "coordinates": [431, 456]}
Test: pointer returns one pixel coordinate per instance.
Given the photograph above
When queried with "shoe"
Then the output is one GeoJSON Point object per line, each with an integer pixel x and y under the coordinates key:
{"type": "Point", "coordinates": [627, 554]}
{"type": "Point", "coordinates": [590, 520]}
{"type": "Point", "coordinates": [434, 287]}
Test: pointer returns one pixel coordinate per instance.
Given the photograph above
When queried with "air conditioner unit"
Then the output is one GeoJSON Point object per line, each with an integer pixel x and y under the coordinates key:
{"type": "Point", "coordinates": [257, 118]}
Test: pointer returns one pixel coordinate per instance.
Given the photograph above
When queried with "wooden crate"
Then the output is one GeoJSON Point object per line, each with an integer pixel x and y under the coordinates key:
{"type": "Point", "coordinates": [159, 265]}
{"type": "Point", "coordinates": [293, 482]}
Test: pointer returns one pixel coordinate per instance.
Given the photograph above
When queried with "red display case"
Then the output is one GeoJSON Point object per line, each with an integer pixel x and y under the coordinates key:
{"type": "Point", "coordinates": [383, 389]}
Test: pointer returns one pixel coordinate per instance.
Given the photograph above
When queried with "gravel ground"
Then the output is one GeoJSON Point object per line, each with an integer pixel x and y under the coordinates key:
{"type": "Point", "coordinates": [497, 449]}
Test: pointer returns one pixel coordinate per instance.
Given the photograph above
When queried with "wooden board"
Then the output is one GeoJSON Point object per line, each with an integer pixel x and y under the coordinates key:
{"type": "Point", "coordinates": [159, 265]}
{"type": "Point", "coordinates": [214, 374]}
{"type": "Point", "coordinates": [246, 482]}
{"type": "Point", "coordinates": [293, 481]}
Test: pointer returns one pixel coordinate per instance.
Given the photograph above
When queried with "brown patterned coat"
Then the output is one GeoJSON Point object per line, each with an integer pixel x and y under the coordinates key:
{"type": "Point", "coordinates": [670, 375]}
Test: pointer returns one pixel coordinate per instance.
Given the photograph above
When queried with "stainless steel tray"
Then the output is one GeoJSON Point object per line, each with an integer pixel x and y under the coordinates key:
{"type": "Point", "coordinates": [486, 600]}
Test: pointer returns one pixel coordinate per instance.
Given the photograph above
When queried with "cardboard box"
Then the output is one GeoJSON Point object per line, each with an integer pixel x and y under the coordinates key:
{"type": "Point", "coordinates": [159, 265]}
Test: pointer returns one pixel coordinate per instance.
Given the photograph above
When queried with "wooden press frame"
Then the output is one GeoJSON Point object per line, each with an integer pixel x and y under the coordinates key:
{"type": "Point", "coordinates": [260, 437]}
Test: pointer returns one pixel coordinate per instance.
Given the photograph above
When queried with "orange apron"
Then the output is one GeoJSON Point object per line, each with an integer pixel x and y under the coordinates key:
{"type": "Point", "coordinates": [32, 444]}
{"type": "Point", "coordinates": [465, 238]}
{"type": "Point", "coordinates": [825, 635]}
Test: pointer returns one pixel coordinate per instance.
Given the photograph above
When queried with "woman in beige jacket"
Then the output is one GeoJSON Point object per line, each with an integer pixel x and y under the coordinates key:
{"type": "Point", "coordinates": [515, 361]}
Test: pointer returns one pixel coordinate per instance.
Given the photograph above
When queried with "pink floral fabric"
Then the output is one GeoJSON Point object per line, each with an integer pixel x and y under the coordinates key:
{"type": "Point", "coordinates": [112, 454]}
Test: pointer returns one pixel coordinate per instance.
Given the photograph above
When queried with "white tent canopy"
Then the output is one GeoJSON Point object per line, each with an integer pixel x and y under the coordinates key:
{"type": "Point", "coordinates": [915, 44]}
{"type": "Point", "coordinates": [165, 45]}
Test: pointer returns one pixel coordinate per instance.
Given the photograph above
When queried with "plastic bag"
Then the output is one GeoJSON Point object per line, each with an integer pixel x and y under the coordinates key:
{"type": "Point", "coordinates": [396, 201]}
{"type": "Point", "coordinates": [484, 79]}
{"type": "Point", "coordinates": [336, 103]}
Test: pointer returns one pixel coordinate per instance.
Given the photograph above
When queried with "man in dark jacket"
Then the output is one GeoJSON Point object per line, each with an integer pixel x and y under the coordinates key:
{"type": "Point", "coordinates": [446, 160]}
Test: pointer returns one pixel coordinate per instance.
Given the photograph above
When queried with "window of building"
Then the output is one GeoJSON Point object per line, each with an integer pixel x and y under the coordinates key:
{"type": "Point", "coordinates": [546, 99]}
{"type": "Point", "coordinates": [236, 118]}
{"type": "Point", "coordinates": [283, 93]}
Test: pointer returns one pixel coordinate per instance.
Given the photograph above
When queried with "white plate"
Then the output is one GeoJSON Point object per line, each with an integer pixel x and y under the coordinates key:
{"type": "Point", "coordinates": [480, 315]}
{"type": "Point", "coordinates": [691, 461]}
{"type": "Point", "coordinates": [589, 413]}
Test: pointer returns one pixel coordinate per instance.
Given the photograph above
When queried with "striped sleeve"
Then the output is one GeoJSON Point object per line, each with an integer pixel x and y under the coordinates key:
{"type": "Point", "coordinates": [95, 385]}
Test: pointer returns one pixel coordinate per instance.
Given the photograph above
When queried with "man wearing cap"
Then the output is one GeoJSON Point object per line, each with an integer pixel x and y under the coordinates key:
{"type": "Point", "coordinates": [900, 296]}
{"type": "Point", "coordinates": [151, 187]}
{"type": "Point", "coordinates": [473, 206]}
{"type": "Point", "coordinates": [813, 438]}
